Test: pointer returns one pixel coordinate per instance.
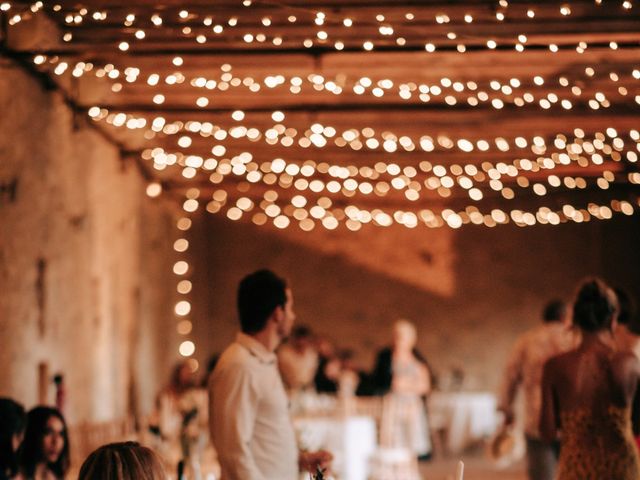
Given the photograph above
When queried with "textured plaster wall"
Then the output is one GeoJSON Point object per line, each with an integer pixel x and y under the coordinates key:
{"type": "Point", "coordinates": [83, 261]}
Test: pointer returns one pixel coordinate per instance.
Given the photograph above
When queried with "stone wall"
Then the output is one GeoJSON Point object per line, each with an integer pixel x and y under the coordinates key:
{"type": "Point", "coordinates": [496, 282]}
{"type": "Point", "coordinates": [82, 256]}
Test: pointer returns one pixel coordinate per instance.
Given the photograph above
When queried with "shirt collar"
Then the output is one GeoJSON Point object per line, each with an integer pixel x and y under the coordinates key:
{"type": "Point", "coordinates": [256, 348]}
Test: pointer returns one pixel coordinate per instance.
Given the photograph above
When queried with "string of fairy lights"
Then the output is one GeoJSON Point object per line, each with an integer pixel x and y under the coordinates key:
{"type": "Point", "coordinates": [202, 25]}
{"type": "Point", "coordinates": [492, 93]}
{"type": "Point", "coordinates": [320, 136]}
{"type": "Point", "coordinates": [237, 161]}
{"type": "Point", "coordinates": [182, 271]}
{"type": "Point", "coordinates": [307, 215]}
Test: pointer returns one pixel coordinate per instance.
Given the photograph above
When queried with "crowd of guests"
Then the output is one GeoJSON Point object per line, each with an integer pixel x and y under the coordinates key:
{"type": "Point", "coordinates": [579, 372]}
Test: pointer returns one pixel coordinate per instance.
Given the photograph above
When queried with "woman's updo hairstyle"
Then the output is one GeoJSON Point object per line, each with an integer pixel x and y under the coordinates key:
{"type": "Point", "coordinates": [595, 307]}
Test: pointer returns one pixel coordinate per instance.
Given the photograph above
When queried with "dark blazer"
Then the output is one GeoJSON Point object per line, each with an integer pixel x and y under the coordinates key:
{"type": "Point", "coordinates": [382, 375]}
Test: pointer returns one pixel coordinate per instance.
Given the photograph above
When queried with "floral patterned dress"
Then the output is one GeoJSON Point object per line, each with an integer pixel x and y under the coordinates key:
{"type": "Point", "coordinates": [598, 445]}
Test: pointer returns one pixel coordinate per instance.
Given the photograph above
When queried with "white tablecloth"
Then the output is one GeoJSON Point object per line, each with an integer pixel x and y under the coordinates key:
{"type": "Point", "coordinates": [351, 440]}
{"type": "Point", "coordinates": [466, 417]}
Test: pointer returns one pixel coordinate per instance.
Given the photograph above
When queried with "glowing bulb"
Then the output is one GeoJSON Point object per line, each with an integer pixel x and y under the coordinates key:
{"type": "Point", "coordinates": [187, 348]}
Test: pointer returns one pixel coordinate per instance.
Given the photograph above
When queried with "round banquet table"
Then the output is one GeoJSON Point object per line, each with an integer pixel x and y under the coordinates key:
{"type": "Point", "coordinates": [350, 439]}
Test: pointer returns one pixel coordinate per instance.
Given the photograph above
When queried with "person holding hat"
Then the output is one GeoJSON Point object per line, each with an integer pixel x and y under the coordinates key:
{"type": "Point", "coordinates": [524, 371]}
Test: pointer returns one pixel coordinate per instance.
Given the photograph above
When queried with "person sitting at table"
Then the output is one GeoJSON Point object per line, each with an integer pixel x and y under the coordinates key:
{"type": "Point", "coordinates": [44, 454]}
{"type": "Point", "coordinates": [402, 374]}
{"type": "Point", "coordinates": [177, 400]}
{"type": "Point", "coordinates": [298, 359]}
{"type": "Point", "coordinates": [12, 424]}
{"type": "Point", "coordinates": [122, 461]}
{"type": "Point", "coordinates": [591, 395]}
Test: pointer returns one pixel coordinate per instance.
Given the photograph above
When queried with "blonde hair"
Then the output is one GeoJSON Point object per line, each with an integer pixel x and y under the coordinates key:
{"type": "Point", "coordinates": [122, 461]}
{"type": "Point", "coordinates": [406, 327]}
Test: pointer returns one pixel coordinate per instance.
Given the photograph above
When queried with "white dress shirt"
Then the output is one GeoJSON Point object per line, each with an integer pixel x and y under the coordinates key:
{"type": "Point", "coordinates": [249, 418]}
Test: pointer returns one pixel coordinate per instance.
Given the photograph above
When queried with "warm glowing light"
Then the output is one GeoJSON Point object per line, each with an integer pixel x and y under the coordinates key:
{"type": "Point", "coordinates": [154, 189]}
{"type": "Point", "coordinates": [182, 308]}
{"type": "Point", "coordinates": [187, 348]}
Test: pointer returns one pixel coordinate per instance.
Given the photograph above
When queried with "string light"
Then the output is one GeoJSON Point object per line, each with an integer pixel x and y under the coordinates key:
{"type": "Point", "coordinates": [318, 134]}
{"type": "Point", "coordinates": [201, 18]}
{"type": "Point", "coordinates": [181, 269]}
{"type": "Point", "coordinates": [601, 152]}
{"type": "Point", "coordinates": [491, 93]}
{"type": "Point", "coordinates": [352, 217]}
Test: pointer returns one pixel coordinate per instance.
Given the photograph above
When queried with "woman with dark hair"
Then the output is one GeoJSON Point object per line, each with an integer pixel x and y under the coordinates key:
{"type": "Point", "coordinates": [590, 395]}
{"type": "Point", "coordinates": [44, 454]}
{"type": "Point", "coordinates": [122, 461]}
{"type": "Point", "coordinates": [12, 423]}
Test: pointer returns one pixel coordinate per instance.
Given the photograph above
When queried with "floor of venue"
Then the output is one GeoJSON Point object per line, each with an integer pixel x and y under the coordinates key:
{"type": "Point", "coordinates": [477, 467]}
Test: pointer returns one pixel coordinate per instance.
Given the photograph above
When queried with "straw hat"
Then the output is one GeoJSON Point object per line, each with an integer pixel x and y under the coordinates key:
{"type": "Point", "coordinates": [506, 447]}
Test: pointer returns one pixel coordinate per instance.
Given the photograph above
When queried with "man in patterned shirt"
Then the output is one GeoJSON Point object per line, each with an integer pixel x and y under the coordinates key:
{"type": "Point", "coordinates": [524, 371]}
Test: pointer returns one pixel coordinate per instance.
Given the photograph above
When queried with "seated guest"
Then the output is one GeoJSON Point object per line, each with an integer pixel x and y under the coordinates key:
{"type": "Point", "coordinates": [352, 380]}
{"type": "Point", "coordinates": [591, 394]}
{"type": "Point", "coordinates": [402, 374]}
{"type": "Point", "coordinates": [325, 379]}
{"type": "Point", "coordinates": [12, 422]}
{"type": "Point", "coordinates": [122, 461]}
{"type": "Point", "coordinates": [250, 424]}
{"type": "Point", "coordinates": [298, 359]}
{"type": "Point", "coordinates": [176, 400]}
{"type": "Point", "coordinates": [44, 454]}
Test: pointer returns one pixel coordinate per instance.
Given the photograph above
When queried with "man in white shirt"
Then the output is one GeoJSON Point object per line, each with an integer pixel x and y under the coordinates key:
{"type": "Point", "coordinates": [249, 418]}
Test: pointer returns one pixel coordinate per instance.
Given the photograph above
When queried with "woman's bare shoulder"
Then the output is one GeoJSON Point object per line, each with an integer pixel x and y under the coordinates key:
{"type": "Point", "coordinates": [627, 361]}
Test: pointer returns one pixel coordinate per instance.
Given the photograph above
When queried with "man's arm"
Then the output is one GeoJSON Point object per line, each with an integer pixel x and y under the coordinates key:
{"type": "Point", "coordinates": [511, 381]}
{"type": "Point", "coordinates": [233, 407]}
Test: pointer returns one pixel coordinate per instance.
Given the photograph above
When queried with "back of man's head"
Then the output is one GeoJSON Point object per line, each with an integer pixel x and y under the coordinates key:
{"type": "Point", "coordinates": [627, 313]}
{"type": "Point", "coordinates": [554, 311]}
{"type": "Point", "coordinates": [258, 295]}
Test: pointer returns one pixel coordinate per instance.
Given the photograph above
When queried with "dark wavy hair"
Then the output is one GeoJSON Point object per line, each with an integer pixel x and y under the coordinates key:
{"type": "Point", "coordinates": [122, 461]}
{"type": "Point", "coordinates": [12, 422]}
{"type": "Point", "coordinates": [31, 453]}
{"type": "Point", "coordinates": [554, 311]}
{"type": "Point", "coordinates": [595, 306]}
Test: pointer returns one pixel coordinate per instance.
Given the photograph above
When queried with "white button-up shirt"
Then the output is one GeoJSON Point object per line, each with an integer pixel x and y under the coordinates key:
{"type": "Point", "coordinates": [249, 418]}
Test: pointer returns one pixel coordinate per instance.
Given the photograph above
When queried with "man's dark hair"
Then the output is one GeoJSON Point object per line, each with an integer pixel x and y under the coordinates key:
{"type": "Point", "coordinates": [627, 312]}
{"type": "Point", "coordinates": [554, 311]}
{"type": "Point", "coordinates": [258, 295]}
